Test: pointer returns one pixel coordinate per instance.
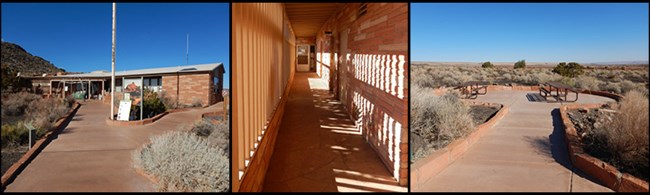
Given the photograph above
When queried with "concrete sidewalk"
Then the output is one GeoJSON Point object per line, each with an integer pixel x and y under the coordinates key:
{"type": "Point", "coordinates": [318, 148]}
{"type": "Point", "coordinates": [524, 152]}
{"type": "Point", "coordinates": [91, 156]}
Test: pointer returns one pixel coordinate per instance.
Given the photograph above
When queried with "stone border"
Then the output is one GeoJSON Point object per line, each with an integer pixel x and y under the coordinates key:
{"type": "Point", "coordinates": [424, 169]}
{"type": "Point", "coordinates": [211, 114]}
{"type": "Point", "coordinates": [149, 120]}
{"type": "Point", "coordinates": [50, 135]}
{"type": "Point", "coordinates": [594, 167]}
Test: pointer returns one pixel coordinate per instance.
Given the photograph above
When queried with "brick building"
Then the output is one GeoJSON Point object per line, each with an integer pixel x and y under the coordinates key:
{"type": "Point", "coordinates": [360, 51]}
{"type": "Point", "coordinates": [187, 84]}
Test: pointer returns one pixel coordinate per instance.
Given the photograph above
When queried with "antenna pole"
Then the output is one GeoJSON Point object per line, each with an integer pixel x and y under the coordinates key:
{"type": "Point", "coordinates": [187, 51]}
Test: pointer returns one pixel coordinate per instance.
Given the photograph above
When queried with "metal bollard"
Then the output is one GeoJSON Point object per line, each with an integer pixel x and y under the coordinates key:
{"type": "Point", "coordinates": [32, 138]}
{"type": "Point", "coordinates": [32, 134]}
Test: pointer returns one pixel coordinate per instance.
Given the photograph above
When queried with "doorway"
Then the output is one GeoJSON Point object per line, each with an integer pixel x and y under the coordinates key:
{"type": "Point", "coordinates": [302, 64]}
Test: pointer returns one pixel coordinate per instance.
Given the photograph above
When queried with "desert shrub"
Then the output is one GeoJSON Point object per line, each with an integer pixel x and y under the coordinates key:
{"type": "Point", "coordinates": [627, 135]}
{"type": "Point", "coordinates": [520, 64]}
{"type": "Point", "coordinates": [44, 112]}
{"type": "Point", "coordinates": [612, 87]}
{"type": "Point", "coordinates": [24, 108]}
{"type": "Point", "coordinates": [14, 104]}
{"type": "Point", "coordinates": [70, 101]}
{"type": "Point", "coordinates": [152, 105]}
{"type": "Point", "coordinates": [487, 65]}
{"type": "Point", "coordinates": [14, 134]}
{"type": "Point", "coordinates": [169, 102]}
{"type": "Point", "coordinates": [217, 134]}
{"type": "Point", "coordinates": [197, 102]}
{"type": "Point", "coordinates": [569, 70]}
{"type": "Point", "coordinates": [438, 120]}
{"type": "Point", "coordinates": [587, 82]}
{"type": "Point", "coordinates": [184, 162]}
{"type": "Point", "coordinates": [627, 86]}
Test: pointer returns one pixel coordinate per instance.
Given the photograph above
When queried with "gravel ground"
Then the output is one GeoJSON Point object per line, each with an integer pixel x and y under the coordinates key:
{"type": "Point", "coordinates": [10, 155]}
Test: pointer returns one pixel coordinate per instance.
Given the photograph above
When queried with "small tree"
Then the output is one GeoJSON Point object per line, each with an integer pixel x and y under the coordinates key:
{"type": "Point", "coordinates": [487, 65]}
{"type": "Point", "coordinates": [520, 64]}
{"type": "Point", "coordinates": [571, 70]}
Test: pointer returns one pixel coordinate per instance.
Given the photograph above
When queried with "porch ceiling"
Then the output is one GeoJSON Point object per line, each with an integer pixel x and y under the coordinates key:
{"type": "Point", "coordinates": [307, 18]}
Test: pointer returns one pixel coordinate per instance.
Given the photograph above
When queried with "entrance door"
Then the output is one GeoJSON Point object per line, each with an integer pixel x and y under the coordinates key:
{"type": "Point", "coordinates": [302, 64]}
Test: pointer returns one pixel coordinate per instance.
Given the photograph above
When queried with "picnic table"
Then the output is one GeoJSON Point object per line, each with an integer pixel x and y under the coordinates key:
{"type": "Point", "coordinates": [474, 88]}
{"type": "Point", "coordinates": [561, 91]}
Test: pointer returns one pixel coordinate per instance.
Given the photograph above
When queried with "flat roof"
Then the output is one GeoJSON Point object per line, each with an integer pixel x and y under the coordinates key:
{"type": "Point", "coordinates": [174, 69]}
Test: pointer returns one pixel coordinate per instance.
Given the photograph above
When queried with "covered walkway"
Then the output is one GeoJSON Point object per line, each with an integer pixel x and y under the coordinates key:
{"type": "Point", "coordinates": [318, 147]}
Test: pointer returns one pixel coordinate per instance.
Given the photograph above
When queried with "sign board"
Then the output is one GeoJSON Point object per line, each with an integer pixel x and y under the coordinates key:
{"type": "Point", "coordinates": [124, 111]}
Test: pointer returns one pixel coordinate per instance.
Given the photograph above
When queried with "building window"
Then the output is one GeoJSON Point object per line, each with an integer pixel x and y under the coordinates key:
{"type": "Point", "coordinates": [153, 83]}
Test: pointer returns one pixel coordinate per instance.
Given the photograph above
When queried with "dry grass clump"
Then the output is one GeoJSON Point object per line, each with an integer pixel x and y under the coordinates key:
{"type": "Point", "coordinates": [188, 161]}
{"type": "Point", "coordinates": [626, 137]}
{"type": "Point", "coordinates": [438, 120]}
{"type": "Point", "coordinates": [24, 108]}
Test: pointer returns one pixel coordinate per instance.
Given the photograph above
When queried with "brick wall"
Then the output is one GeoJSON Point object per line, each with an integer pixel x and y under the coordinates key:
{"type": "Point", "coordinates": [192, 86]}
{"type": "Point", "coordinates": [369, 75]}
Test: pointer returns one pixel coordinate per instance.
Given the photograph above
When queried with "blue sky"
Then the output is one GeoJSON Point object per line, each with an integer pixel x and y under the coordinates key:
{"type": "Point", "coordinates": [536, 32]}
{"type": "Point", "coordinates": [77, 36]}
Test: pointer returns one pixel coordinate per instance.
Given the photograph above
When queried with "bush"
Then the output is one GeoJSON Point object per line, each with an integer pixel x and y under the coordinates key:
{"type": "Point", "coordinates": [184, 162]}
{"type": "Point", "coordinates": [197, 102]}
{"type": "Point", "coordinates": [438, 120]}
{"type": "Point", "coordinates": [14, 104]}
{"type": "Point", "coordinates": [169, 102]}
{"type": "Point", "coordinates": [152, 105]}
{"type": "Point", "coordinates": [218, 134]}
{"type": "Point", "coordinates": [487, 65]}
{"type": "Point", "coordinates": [571, 70]}
{"type": "Point", "coordinates": [14, 134]}
{"type": "Point", "coordinates": [627, 135]}
{"type": "Point", "coordinates": [20, 108]}
{"type": "Point", "coordinates": [520, 64]}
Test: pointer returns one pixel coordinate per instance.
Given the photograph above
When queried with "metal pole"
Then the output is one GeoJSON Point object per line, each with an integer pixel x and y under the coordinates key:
{"type": "Point", "coordinates": [141, 95]}
{"type": "Point", "coordinates": [113, 69]}
{"type": "Point", "coordinates": [187, 51]}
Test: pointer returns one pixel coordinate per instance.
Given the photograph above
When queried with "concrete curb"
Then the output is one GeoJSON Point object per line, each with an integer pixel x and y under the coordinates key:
{"type": "Point", "coordinates": [53, 132]}
{"type": "Point", "coordinates": [425, 169]}
{"type": "Point", "coordinates": [149, 120]}
{"type": "Point", "coordinates": [607, 174]}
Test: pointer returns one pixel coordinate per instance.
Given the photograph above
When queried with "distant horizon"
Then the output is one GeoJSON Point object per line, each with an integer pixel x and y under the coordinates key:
{"type": "Point", "coordinates": [536, 32]}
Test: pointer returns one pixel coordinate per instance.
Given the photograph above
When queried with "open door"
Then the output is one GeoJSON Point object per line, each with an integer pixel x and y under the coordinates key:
{"type": "Point", "coordinates": [302, 64]}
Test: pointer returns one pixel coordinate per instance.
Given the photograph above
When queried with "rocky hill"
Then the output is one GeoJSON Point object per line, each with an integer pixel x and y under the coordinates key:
{"type": "Point", "coordinates": [16, 59]}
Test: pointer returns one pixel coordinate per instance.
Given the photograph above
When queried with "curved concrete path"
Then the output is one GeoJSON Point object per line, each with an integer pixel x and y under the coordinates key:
{"type": "Point", "coordinates": [91, 156]}
{"type": "Point", "coordinates": [524, 152]}
{"type": "Point", "coordinates": [318, 148]}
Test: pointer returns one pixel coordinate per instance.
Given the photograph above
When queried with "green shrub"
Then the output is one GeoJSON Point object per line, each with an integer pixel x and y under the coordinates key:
{"type": "Point", "coordinates": [184, 162]}
{"type": "Point", "coordinates": [571, 70]}
{"type": "Point", "coordinates": [520, 64]}
{"type": "Point", "coordinates": [16, 134]}
{"type": "Point", "coordinates": [152, 104]}
{"type": "Point", "coordinates": [487, 65]}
